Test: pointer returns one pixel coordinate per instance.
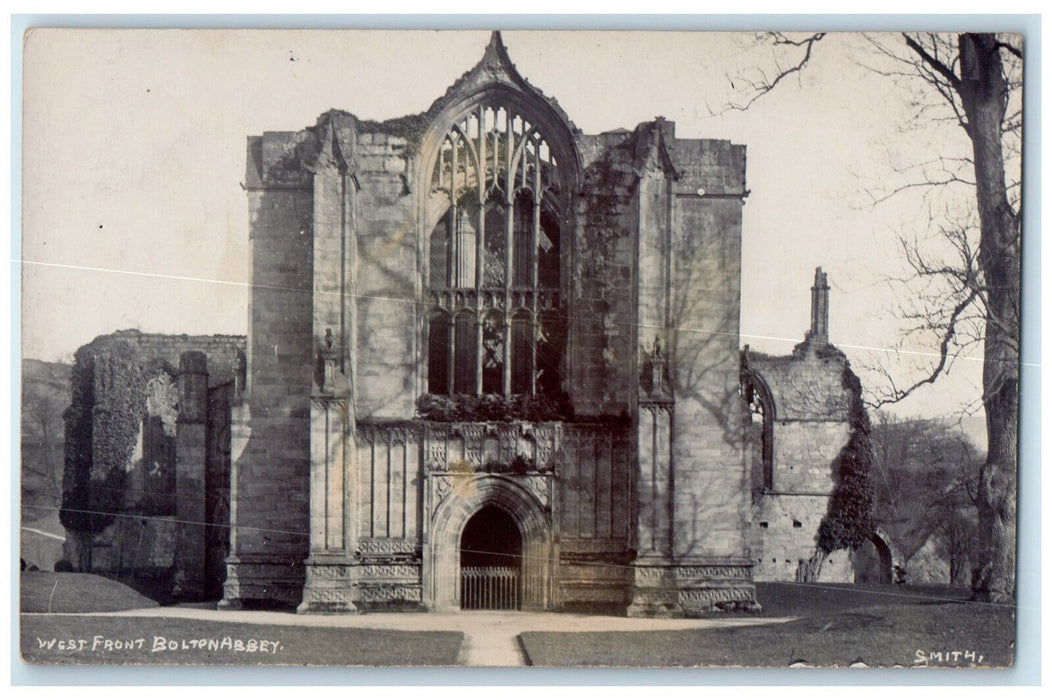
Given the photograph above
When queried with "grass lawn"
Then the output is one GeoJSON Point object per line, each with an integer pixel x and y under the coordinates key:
{"type": "Point", "coordinates": [81, 639]}
{"type": "Point", "coordinates": [800, 599]}
{"type": "Point", "coordinates": [884, 636]}
{"type": "Point", "coordinates": [838, 625]}
{"type": "Point", "coordinates": [45, 591]}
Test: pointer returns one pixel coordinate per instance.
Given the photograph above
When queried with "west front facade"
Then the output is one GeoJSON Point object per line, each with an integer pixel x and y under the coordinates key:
{"type": "Point", "coordinates": [492, 362]}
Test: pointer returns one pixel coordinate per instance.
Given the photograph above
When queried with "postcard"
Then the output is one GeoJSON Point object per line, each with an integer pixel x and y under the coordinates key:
{"type": "Point", "coordinates": [520, 348]}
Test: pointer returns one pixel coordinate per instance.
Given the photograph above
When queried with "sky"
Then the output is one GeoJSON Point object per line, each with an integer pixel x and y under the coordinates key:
{"type": "Point", "coordinates": [134, 147]}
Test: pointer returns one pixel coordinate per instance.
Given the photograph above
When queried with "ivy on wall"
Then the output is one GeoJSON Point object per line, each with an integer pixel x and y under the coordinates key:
{"type": "Point", "coordinates": [103, 423]}
{"type": "Point", "coordinates": [848, 522]}
{"type": "Point", "coordinates": [76, 500]}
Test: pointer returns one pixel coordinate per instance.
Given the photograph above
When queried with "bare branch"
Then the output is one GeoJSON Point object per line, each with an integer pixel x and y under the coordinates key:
{"type": "Point", "coordinates": [766, 84]}
{"type": "Point", "coordinates": [944, 355]}
{"type": "Point", "coordinates": [935, 64]}
{"type": "Point", "coordinates": [951, 179]}
{"type": "Point", "coordinates": [1011, 49]}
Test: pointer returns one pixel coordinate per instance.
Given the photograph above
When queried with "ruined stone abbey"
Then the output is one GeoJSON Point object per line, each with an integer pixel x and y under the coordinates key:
{"type": "Point", "coordinates": [491, 362]}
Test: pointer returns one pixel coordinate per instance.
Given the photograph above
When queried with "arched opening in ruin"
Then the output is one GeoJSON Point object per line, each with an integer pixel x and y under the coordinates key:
{"type": "Point", "coordinates": [872, 561]}
{"type": "Point", "coordinates": [490, 561]}
{"type": "Point", "coordinates": [759, 431]}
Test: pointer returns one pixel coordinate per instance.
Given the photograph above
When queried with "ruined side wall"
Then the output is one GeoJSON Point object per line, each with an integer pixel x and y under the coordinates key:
{"type": "Point", "coordinates": [154, 448]}
{"type": "Point", "coordinates": [221, 350]}
{"type": "Point", "coordinates": [784, 533]}
{"type": "Point", "coordinates": [812, 409]}
{"type": "Point", "coordinates": [812, 413]}
{"type": "Point", "coordinates": [145, 484]}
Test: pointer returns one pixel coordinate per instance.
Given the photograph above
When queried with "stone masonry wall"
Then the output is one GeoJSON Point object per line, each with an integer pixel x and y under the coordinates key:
{"type": "Point", "coordinates": [654, 253]}
{"type": "Point", "coordinates": [594, 513]}
{"type": "Point", "coordinates": [142, 541]}
{"type": "Point", "coordinates": [807, 385]}
{"type": "Point", "coordinates": [600, 346]}
{"type": "Point", "coordinates": [805, 455]}
{"type": "Point", "coordinates": [784, 535]}
{"type": "Point", "coordinates": [221, 350]}
{"type": "Point", "coordinates": [270, 473]}
{"type": "Point", "coordinates": [388, 326]}
{"type": "Point", "coordinates": [811, 426]}
{"type": "Point", "coordinates": [149, 480]}
{"type": "Point", "coordinates": [145, 546]}
{"type": "Point", "coordinates": [811, 416]}
{"type": "Point", "coordinates": [711, 502]}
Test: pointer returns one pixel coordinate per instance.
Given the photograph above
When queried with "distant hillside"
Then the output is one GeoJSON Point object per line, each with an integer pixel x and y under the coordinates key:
{"type": "Point", "coordinates": [45, 396]}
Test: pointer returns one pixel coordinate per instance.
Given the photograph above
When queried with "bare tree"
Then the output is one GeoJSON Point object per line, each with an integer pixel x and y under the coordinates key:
{"type": "Point", "coordinates": [925, 475]}
{"type": "Point", "coordinates": [44, 398]}
{"type": "Point", "coordinates": [972, 80]}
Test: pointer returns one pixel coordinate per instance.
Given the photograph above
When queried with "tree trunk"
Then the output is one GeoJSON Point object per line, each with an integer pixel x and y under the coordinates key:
{"type": "Point", "coordinates": [984, 94]}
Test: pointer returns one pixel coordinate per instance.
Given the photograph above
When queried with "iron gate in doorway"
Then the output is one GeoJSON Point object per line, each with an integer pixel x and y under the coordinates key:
{"type": "Point", "coordinates": [489, 588]}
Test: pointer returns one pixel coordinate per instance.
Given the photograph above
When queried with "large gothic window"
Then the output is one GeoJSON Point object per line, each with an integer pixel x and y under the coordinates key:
{"type": "Point", "coordinates": [494, 265]}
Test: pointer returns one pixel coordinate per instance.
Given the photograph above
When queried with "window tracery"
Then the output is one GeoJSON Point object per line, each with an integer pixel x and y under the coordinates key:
{"type": "Point", "coordinates": [494, 264]}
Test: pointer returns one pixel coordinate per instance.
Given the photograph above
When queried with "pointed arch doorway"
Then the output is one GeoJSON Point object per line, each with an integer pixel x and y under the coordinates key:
{"type": "Point", "coordinates": [492, 514]}
{"type": "Point", "coordinates": [490, 561]}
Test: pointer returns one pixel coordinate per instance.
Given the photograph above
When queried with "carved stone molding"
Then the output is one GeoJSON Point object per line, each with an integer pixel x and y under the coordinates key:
{"type": "Point", "coordinates": [325, 595]}
{"type": "Point", "coordinates": [401, 433]}
{"type": "Point", "coordinates": [335, 402]}
{"type": "Point", "coordinates": [716, 571]}
{"type": "Point", "coordinates": [383, 546]}
{"type": "Point", "coordinates": [651, 574]}
{"type": "Point", "coordinates": [393, 571]}
{"type": "Point", "coordinates": [538, 486]}
{"type": "Point", "coordinates": [443, 485]}
{"type": "Point", "coordinates": [503, 448]}
{"type": "Point", "coordinates": [437, 451]}
{"type": "Point", "coordinates": [328, 572]}
{"type": "Point", "coordinates": [389, 592]}
{"type": "Point", "coordinates": [463, 485]}
{"type": "Point", "coordinates": [655, 407]}
{"type": "Point", "coordinates": [492, 447]}
{"type": "Point", "coordinates": [716, 595]}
